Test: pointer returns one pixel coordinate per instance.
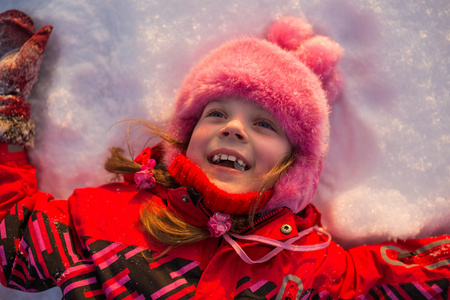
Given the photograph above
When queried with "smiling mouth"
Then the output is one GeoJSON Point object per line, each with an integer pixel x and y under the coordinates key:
{"type": "Point", "coordinates": [229, 161]}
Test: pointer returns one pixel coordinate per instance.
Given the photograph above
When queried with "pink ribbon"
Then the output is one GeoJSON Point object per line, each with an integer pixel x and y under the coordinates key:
{"type": "Point", "coordinates": [219, 223]}
{"type": "Point", "coordinates": [279, 246]}
{"type": "Point", "coordinates": [144, 179]}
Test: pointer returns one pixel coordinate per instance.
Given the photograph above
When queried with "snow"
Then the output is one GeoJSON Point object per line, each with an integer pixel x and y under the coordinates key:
{"type": "Point", "coordinates": [388, 171]}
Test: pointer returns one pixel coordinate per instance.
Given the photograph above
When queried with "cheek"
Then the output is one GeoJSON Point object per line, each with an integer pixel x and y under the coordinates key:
{"type": "Point", "coordinates": [196, 145]}
{"type": "Point", "coordinates": [273, 152]}
{"type": "Point", "coordinates": [192, 151]}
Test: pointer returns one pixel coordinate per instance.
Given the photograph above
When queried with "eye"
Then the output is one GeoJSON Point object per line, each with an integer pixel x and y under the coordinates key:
{"type": "Point", "coordinates": [215, 113]}
{"type": "Point", "coordinates": [265, 124]}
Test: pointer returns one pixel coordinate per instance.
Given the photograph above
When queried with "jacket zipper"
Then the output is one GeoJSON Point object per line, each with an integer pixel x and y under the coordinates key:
{"type": "Point", "coordinates": [260, 220]}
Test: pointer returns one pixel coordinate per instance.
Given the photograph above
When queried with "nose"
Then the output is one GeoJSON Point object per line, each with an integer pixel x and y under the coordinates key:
{"type": "Point", "coordinates": [234, 129]}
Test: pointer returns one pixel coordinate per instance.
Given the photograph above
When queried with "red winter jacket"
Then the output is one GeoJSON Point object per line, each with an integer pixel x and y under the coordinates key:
{"type": "Point", "coordinates": [92, 246]}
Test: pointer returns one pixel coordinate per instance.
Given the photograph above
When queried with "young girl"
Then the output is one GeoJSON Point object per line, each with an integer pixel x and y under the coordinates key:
{"type": "Point", "coordinates": [221, 208]}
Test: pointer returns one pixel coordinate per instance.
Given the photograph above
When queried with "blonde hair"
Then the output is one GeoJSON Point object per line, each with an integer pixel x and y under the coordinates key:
{"type": "Point", "coordinates": [118, 164]}
{"type": "Point", "coordinates": [167, 227]}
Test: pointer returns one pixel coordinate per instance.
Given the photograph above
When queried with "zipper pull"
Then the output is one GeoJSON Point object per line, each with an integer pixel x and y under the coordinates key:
{"type": "Point", "coordinates": [406, 254]}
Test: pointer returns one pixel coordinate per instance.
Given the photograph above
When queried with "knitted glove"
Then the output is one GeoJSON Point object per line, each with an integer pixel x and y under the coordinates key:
{"type": "Point", "coordinates": [21, 51]}
{"type": "Point", "coordinates": [319, 53]}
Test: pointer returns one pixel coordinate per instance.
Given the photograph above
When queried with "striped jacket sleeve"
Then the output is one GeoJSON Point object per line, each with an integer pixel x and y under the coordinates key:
{"type": "Point", "coordinates": [36, 243]}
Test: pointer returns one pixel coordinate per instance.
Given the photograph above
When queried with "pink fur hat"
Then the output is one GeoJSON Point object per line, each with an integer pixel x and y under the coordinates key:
{"type": "Point", "coordinates": [291, 75]}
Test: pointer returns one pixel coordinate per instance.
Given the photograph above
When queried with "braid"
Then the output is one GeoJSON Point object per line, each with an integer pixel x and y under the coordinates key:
{"type": "Point", "coordinates": [117, 163]}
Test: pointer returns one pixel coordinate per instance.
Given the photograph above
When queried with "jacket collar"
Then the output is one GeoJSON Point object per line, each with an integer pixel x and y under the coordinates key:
{"type": "Point", "coordinates": [215, 199]}
{"type": "Point", "coordinates": [187, 204]}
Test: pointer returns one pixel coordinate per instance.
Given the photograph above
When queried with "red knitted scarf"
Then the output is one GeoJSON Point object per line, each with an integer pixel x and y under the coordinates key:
{"type": "Point", "coordinates": [188, 174]}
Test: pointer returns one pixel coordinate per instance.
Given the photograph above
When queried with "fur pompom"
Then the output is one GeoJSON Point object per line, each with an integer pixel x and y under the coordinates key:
{"type": "Point", "coordinates": [290, 32]}
{"type": "Point", "coordinates": [321, 55]}
{"type": "Point", "coordinates": [333, 86]}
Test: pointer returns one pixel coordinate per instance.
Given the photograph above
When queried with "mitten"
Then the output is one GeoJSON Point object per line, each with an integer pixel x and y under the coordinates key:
{"type": "Point", "coordinates": [21, 52]}
{"type": "Point", "coordinates": [319, 53]}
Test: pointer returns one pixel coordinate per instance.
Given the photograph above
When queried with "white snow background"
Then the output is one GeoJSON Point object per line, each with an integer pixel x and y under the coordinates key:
{"type": "Point", "coordinates": [388, 172]}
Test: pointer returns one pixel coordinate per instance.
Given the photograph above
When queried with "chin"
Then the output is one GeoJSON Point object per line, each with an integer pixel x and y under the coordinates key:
{"type": "Point", "coordinates": [233, 188]}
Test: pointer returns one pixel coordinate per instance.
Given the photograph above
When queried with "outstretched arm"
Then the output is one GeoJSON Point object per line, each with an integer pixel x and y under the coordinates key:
{"type": "Point", "coordinates": [28, 261]}
{"type": "Point", "coordinates": [409, 269]}
{"type": "Point", "coordinates": [21, 52]}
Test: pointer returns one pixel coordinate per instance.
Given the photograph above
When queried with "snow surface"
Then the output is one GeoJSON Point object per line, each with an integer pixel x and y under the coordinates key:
{"type": "Point", "coordinates": [388, 172]}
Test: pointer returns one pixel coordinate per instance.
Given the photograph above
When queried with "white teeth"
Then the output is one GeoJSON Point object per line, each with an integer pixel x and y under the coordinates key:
{"type": "Point", "coordinates": [238, 166]}
{"type": "Point", "coordinates": [238, 163]}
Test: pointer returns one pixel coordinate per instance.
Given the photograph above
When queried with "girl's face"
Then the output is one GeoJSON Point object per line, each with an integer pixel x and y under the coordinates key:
{"type": "Point", "coordinates": [236, 143]}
